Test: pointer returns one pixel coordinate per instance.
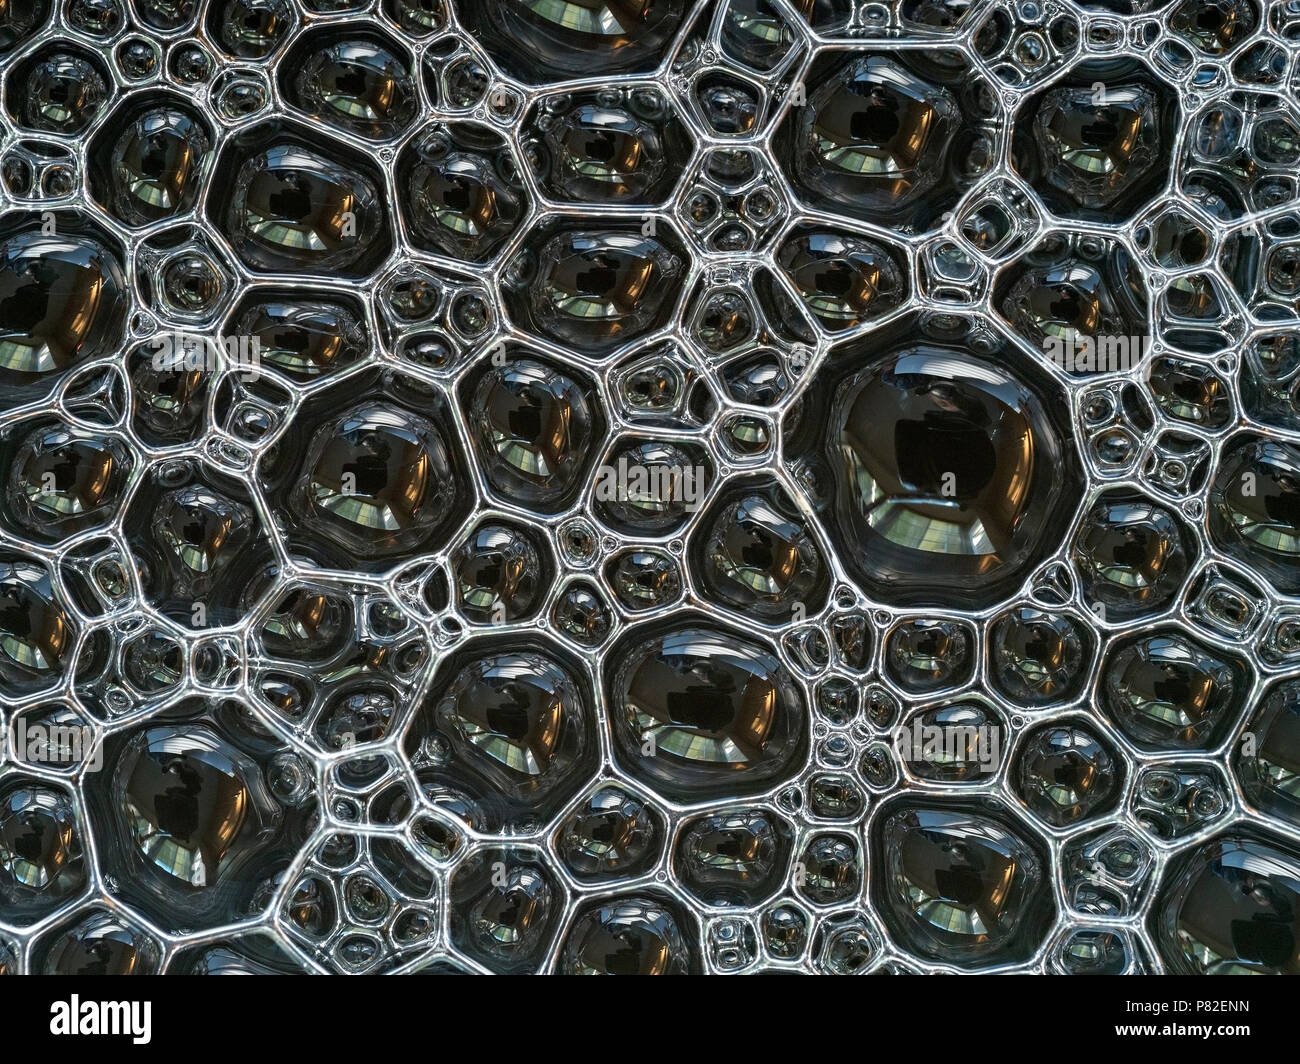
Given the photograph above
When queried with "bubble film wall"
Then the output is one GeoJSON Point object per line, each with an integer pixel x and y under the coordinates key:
{"type": "Point", "coordinates": [643, 486]}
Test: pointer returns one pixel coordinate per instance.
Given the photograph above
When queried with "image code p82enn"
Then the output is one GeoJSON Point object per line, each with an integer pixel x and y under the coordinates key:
{"type": "Point", "coordinates": [650, 487]}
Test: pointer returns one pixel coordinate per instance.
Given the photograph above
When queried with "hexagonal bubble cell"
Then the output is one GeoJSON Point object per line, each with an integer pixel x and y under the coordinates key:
{"type": "Point", "coordinates": [518, 719]}
{"type": "Point", "coordinates": [62, 480]}
{"type": "Point", "coordinates": [888, 136]}
{"type": "Point", "coordinates": [98, 942]}
{"type": "Point", "coordinates": [289, 203]}
{"type": "Point", "coordinates": [1038, 657]}
{"type": "Point", "coordinates": [942, 465]}
{"type": "Point", "coordinates": [959, 742]}
{"type": "Point", "coordinates": [502, 574]}
{"type": "Point", "coordinates": [461, 192]}
{"type": "Point", "coordinates": [1092, 144]}
{"type": "Point", "coordinates": [960, 886]}
{"type": "Point", "coordinates": [630, 934]}
{"type": "Point", "coordinates": [63, 294]}
{"type": "Point", "coordinates": [39, 632]}
{"type": "Point", "coordinates": [613, 834]}
{"type": "Point", "coordinates": [616, 145]}
{"type": "Point", "coordinates": [147, 162]}
{"type": "Point", "coordinates": [1254, 511]}
{"type": "Point", "coordinates": [1097, 952]}
{"type": "Point", "coordinates": [42, 859]}
{"type": "Point", "coordinates": [582, 614]}
{"type": "Point", "coordinates": [535, 426]}
{"type": "Point", "coordinates": [701, 711]}
{"type": "Point", "coordinates": [595, 288]}
{"type": "Point", "coordinates": [650, 487]}
{"type": "Point", "coordinates": [843, 280]}
{"type": "Point", "coordinates": [1067, 773]}
{"type": "Point", "coordinates": [505, 906]}
{"type": "Point", "coordinates": [1191, 392]}
{"type": "Point", "coordinates": [198, 536]}
{"type": "Point", "coordinates": [59, 89]}
{"type": "Point", "coordinates": [1132, 554]}
{"type": "Point", "coordinates": [1166, 690]}
{"type": "Point", "coordinates": [644, 579]}
{"type": "Point", "coordinates": [930, 654]}
{"type": "Point", "coordinates": [733, 858]}
{"type": "Point", "coordinates": [369, 468]}
{"type": "Point", "coordinates": [301, 337]}
{"type": "Point", "coordinates": [250, 29]}
{"type": "Point", "coordinates": [1229, 907]}
{"type": "Point", "coordinates": [575, 38]}
{"type": "Point", "coordinates": [1081, 301]}
{"type": "Point", "coordinates": [183, 276]}
{"type": "Point", "coordinates": [187, 853]}
{"type": "Point", "coordinates": [356, 79]}
{"type": "Point", "coordinates": [756, 555]}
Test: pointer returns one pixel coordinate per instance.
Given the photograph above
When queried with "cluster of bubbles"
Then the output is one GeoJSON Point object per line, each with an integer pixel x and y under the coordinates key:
{"type": "Point", "coordinates": [620, 438]}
